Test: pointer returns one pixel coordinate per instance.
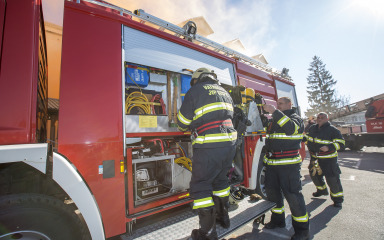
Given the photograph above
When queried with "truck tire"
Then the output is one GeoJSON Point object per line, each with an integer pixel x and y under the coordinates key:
{"type": "Point", "coordinates": [260, 181]}
{"type": "Point", "coordinates": [356, 146]}
{"type": "Point", "coordinates": [36, 216]}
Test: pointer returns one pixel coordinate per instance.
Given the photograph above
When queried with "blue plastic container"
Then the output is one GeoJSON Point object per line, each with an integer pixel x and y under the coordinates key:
{"type": "Point", "coordinates": [136, 75]}
{"type": "Point", "coordinates": [185, 85]}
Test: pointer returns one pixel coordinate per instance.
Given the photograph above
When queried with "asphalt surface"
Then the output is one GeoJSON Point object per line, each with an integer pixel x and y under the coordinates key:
{"type": "Point", "coordinates": [362, 215]}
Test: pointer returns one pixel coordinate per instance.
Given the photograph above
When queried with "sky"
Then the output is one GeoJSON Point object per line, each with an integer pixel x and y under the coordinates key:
{"type": "Point", "coordinates": [347, 35]}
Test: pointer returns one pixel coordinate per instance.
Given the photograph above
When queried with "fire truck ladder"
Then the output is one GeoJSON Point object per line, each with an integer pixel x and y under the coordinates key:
{"type": "Point", "coordinates": [186, 33]}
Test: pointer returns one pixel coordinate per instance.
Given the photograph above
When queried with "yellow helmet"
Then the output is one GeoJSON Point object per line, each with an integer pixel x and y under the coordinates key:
{"type": "Point", "coordinates": [248, 95]}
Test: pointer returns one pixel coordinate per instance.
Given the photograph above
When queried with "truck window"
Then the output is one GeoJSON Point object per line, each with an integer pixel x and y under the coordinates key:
{"type": "Point", "coordinates": [286, 90]}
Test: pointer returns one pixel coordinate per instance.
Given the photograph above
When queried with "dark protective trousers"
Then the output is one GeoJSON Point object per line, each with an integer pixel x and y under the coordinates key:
{"type": "Point", "coordinates": [331, 172]}
{"type": "Point", "coordinates": [209, 170]}
{"type": "Point", "coordinates": [285, 179]}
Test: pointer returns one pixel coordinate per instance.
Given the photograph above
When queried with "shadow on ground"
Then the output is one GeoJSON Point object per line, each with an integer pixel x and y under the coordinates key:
{"type": "Point", "coordinates": [373, 161]}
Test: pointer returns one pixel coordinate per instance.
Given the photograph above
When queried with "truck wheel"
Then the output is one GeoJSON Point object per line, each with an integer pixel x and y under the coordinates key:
{"type": "Point", "coordinates": [35, 216]}
{"type": "Point", "coordinates": [353, 144]}
{"type": "Point", "coordinates": [356, 147]}
{"type": "Point", "coordinates": [260, 184]}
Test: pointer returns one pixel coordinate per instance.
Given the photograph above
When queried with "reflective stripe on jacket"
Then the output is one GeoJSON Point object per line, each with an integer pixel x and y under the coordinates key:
{"type": "Point", "coordinates": [326, 135]}
{"type": "Point", "coordinates": [208, 104]}
{"type": "Point", "coordinates": [285, 134]}
{"type": "Point", "coordinates": [286, 131]}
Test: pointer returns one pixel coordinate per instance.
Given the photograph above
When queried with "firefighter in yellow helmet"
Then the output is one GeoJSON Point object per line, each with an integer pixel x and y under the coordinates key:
{"type": "Point", "coordinates": [207, 112]}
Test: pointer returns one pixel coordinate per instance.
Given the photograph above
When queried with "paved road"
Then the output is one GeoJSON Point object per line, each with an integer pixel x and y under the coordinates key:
{"type": "Point", "coordinates": [362, 215]}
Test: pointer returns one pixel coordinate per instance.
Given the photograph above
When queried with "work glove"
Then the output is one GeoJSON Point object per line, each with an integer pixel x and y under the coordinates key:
{"type": "Point", "coordinates": [315, 169]}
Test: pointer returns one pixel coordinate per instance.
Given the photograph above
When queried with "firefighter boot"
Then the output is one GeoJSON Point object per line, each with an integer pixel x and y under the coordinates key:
{"type": "Point", "coordinates": [320, 193]}
{"type": "Point", "coordinates": [338, 204]}
{"type": "Point", "coordinates": [302, 235]}
{"type": "Point", "coordinates": [277, 221]}
{"type": "Point", "coordinates": [272, 225]}
{"type": "Point", "coordinates": [222, 206]}
{"type": "Point", "coordinates": [207, 221]}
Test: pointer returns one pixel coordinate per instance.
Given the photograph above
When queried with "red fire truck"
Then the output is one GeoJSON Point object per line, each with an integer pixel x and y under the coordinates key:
{"type": "Point", "coordinates": [119, 158]}
{"type": "Point", "coordinates": [371, 133]}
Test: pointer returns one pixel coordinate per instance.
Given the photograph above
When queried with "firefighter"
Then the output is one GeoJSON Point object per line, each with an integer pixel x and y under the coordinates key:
{"type": "Point", "coordinates": [311, 122]}
{"type": "Point", "coordinates": [283, 164]}
{"type": "Point", "coordinates": [323, 142]}
{"type": "Point", "coordinates": [207, 111]}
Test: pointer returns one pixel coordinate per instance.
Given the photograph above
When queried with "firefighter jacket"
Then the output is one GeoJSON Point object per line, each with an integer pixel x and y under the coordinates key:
{"type": "Point", "coordinates": [310, 124]}
{"type": "Point", "coordinates": [326, 135]}
{"type": "Point", "coordinates": [284, 137]}
{"type": "Point", "coordinates": [207, 111]}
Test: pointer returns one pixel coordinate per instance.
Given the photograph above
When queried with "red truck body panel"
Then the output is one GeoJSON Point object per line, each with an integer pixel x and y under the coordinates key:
{"type": "Point", "coordinates": [19, 72]}
{"type": "Point", "coordinates": [262, 82]}
{"type": "Point", "coordinates": [375, 125]}
{"type": "Point", "coordinates": [379, 108]}
{"type": "Point", "coordinates": [90, 119]}
{"type": "Point", "coordinates": [2, 16]}
{"type": "Point", "coordinates": [250, 144]}
{"type": "Point", "coordinates": [253, 78]}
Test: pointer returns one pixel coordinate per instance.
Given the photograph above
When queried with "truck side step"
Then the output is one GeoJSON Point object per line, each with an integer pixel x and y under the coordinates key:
{"type": "Point", "coordinates": [180, 226]}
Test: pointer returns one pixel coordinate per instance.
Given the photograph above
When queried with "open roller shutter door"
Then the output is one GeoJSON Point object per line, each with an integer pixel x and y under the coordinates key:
{"type": "Point", "coordinates": [145, 49]}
